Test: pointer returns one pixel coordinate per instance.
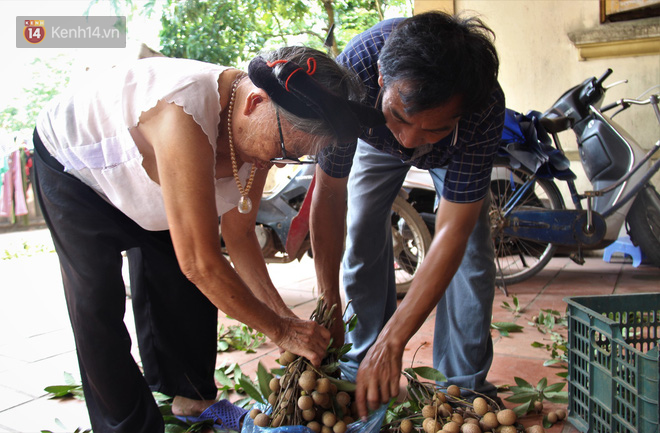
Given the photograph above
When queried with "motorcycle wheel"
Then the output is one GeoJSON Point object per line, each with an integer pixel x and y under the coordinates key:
{"type": "Point", "coordinates": [518, 259]}
{"type": "Point", "coordinates": [411, 241]}
{"type": "Point", "coordinates": [644, 223]}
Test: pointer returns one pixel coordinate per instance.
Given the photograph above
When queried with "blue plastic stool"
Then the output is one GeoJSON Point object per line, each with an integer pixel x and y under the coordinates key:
{"type": "Point", "coordinates": [624, 245]}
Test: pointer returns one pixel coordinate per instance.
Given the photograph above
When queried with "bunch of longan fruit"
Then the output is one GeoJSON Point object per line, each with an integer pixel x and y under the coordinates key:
{"type": "Point", "coordinates": [439, 416]}
{"type": "Point", "coordinates": [303, 395]}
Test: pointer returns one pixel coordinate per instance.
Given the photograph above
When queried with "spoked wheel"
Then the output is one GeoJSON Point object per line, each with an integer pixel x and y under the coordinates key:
{"type": "Point", "coordinates": [518, 259]}
{"type": "Point", "coordinates": [411, 240]}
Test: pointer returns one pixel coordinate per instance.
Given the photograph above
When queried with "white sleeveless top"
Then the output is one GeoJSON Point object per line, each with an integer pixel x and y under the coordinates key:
{"type": "Point", "coordinates": [87, 131]}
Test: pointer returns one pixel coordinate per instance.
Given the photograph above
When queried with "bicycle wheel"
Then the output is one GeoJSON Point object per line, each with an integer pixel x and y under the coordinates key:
{"type": "Point", "coordinates": [411, 240]}
{"type": "Point", "coordinates": [518, 259]}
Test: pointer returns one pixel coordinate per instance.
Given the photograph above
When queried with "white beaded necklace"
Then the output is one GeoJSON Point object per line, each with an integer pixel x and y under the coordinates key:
{"type": "Point", "coordinates": [244, 204]}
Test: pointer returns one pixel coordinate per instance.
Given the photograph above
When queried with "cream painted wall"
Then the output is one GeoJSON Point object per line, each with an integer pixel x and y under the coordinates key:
{"type": "Point", "coordinates": [539, 62]}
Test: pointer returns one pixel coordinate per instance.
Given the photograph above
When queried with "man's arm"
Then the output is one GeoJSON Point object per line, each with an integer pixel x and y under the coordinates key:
{"type": "Point", "coordinates": [327, 228]}
{"type": "Point", "coordinates": [379, 373]}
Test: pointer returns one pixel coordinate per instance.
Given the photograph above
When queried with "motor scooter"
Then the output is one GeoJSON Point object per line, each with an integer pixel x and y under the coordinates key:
{"type": "Point", "coordinates": [282, 224]}
{"type": "Point", "coordinates": [529, 219]}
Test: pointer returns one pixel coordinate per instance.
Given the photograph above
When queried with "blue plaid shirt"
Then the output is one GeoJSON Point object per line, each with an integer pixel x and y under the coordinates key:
{"type": "Point", "coordinates": [468, 157]}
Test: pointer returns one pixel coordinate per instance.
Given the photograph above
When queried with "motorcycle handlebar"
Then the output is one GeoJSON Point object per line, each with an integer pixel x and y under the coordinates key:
{"type": "Point", "coordinates": [599, 82]}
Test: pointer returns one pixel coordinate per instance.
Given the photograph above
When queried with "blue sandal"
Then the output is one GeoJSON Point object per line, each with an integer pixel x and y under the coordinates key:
{"type": "Point", "coordinates": [223, 413]}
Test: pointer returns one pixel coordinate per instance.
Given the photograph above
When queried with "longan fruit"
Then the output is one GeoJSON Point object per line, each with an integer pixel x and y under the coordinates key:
{"type": "Point", "coordinates": [506, 417]}
{"type": "Point", "coordinates": [451, 427]}
{"type": "Point", "coordinates": [440, 397]}
{"type": "Point", "coordinates": [507, 429]}
{"type": "Point", "coordinates": [538, 406]}
{"type": "Point", "coordinates": [307, 380]}
{"type": "Point", "coordinates": [314, 426]}
{"type": "Point", "coordinates": [429, 411]}
{"type": "Point", "coordinates": [480, 406]}
{"type": "Point", "coordinates": [323, 385]}
{"type": "Point", "coordinates": [274, 385]}
{"type": "Point", "coordinates": [535, 429]}
{"type": "Point", "coordinates": [329, 419]}
{"type": "Point", "coordinates": [552, 417]}
{"type": "Point", "coordinates": [272, 398]}
{"type": "Point", "coordinates": [287, 358]}
{"type": "Point", "coordinates": [325, 429]}
{"type": "Point", "coordinates": [430, 425]}
{"type": "Point", "coordinates": [457, 418]}
{"type": "Point", "coordinates": [490, 420]}
{"type": "Point", "coordinates": [454, 391]}
{"type": "Point", "coordinates": [261, 420]}
{"type": "Point", "coordinates": [561, 414]}
{"type": "Point", "coordinates": [406, 426]}
{"type": "Point", "coordinates": [445, 410]}
{"type": "Point", "coordinates": [309, 414]}
{"type": "Point", "coordinates": [305, 402]}
{"type": "Point", "coordinates": [343, 398]}
{"type": "Point", "coordinates": [470, 427]}
{"type": "Point", "coordinates": [339, 427]}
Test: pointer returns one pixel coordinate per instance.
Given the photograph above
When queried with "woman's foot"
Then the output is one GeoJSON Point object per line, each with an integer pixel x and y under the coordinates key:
{"type": "Point", "coordinates": [183, 406]}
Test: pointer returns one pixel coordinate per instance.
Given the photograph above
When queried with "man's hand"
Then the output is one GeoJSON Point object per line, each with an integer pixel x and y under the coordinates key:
{"type": "Point", "coordinates": [378, 376]}
{"type": "Point", "coordinates": [305, 338]}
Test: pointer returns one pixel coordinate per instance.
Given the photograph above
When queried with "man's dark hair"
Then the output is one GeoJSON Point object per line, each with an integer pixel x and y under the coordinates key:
{"type": "Point", "coordinates": [439, 56]}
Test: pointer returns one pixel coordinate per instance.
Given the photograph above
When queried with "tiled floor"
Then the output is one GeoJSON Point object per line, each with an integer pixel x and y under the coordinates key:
{"type": "Point", "coordinates": [36, 346]}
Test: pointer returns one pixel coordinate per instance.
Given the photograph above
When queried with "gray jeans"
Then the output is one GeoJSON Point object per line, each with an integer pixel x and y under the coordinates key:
{"type": "Point", "coordinates": [462, 349]}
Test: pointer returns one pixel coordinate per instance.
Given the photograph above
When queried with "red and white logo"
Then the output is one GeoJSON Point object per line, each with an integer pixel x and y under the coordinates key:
{"type": "Point", "coordinates": [34, 31]}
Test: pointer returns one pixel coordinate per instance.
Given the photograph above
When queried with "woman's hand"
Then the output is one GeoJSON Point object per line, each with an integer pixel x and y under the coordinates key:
{"type": "Point", "coordinates": [378, 376]}
{"type": "Point", "coordinates": [305, 338]}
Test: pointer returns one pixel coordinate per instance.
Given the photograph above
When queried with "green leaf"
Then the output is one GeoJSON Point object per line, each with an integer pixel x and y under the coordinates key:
{"type": "Point", "coordinates": [250, 389]}
{"type": "Point", "coordinates": [557, 397]}
{"type": "Point", "coordinates": [223, 380]}
{"type": "Point", "coordinates": [351, 323]}
{"type": "Point", "coordinates": [523, 409]}
{"type": "Point", "coordinates": [68, 379]}
{"type": "Point", "coordinates": [506, 326]}
{"type": "Point", "coordinates": [542, 384]}
{"type": "Point", "coordinates": [264, 377]}
{"type": "Point", "coordinates": [430, 373]}
{"type": "Point", "coordinates": [223, 346]}
{"type": "Point", "coordinates": [522, 397]}
{"type": "Point", "coordinates": [523, 383]}
{"type": "Point", "coordinates": [411, 372]}
{"type": "Point", "coordinates": [343, 385]}
{"type": "Point", "coordinates": [59, 391]}
{"type": "Point", "coordinates": [536, 344]}
{"type": "Point", "coordinates": [555, 387]}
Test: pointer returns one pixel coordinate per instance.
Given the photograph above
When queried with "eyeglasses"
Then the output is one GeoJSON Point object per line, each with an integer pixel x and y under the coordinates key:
{"type": "Point", "coordinates": [286, 158]}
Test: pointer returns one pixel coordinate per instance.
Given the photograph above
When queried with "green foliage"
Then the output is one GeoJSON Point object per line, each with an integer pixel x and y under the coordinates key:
{"type": "Point", "coordinates": [239, 337]}
{"type": "Point", "coordinates": [505, 328]}
{"type": "Point", "coordinates": [231, 33]}
{"type": "Point", "coordinates": [514, 307]}
{"type": "Point", "coordinates": [25, 250]}
{"type": "Point", "coordinates": [48, 78]}
{"type": "Point", "coordinates": [553, 324]}
{"type": "Point", "coordinates": [526, 394]}
{"type": "Point", "coordinates": [71, 388]}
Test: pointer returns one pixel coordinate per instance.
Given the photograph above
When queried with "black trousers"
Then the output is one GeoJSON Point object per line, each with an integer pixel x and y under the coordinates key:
{"type": "Point", "coordinates": [176, 325]}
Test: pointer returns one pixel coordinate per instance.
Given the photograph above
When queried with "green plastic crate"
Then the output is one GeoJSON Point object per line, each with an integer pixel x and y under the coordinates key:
{"type": "Point", "coordinates": [613, 364]}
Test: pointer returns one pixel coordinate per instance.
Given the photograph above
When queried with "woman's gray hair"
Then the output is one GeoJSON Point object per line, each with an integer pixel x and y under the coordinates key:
{"type": "Point", "coordinates": [330, 74]}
